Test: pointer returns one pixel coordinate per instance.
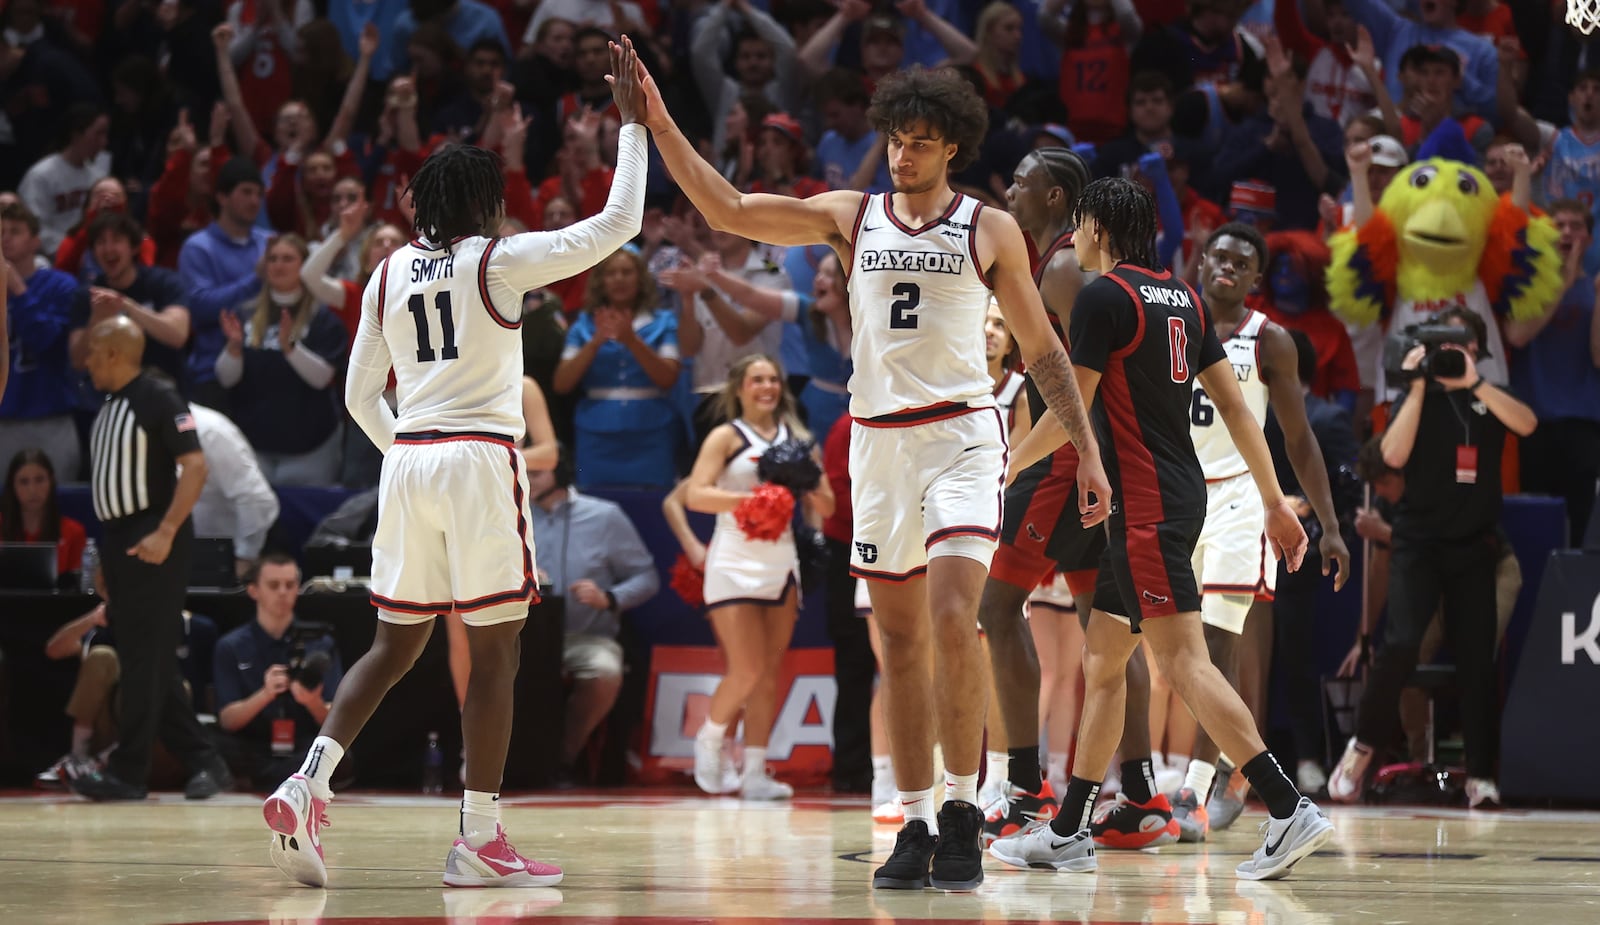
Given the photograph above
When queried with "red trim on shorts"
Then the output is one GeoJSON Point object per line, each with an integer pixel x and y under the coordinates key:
{"type": "Point", "coordinates": [504, 597]}
{"type": "Point", "coordinates": [939, 536]}
{"type": "Point", "coordinates": [972, 247]}
{"type": "Point", "coordinates": [440, 436]}
{"type": "Point", "coordinates": [911, 417]}
{"type": "Point", "coordinates": [857, 571]}
{"type": "Point", "coordinates": [483, 289]}
{"type": "Point", "coordinates": [1148, 568]}
{"type": "Point", "coordinates": [384, 603]}
{"type": "Point", "coordinates": [1082, 581]}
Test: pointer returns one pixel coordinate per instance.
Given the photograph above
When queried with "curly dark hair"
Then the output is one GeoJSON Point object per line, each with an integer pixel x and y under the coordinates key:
{"type": "Point", "coordinates": [1126, 214]}
{"type": "Point", "coordinates": [941, 98]}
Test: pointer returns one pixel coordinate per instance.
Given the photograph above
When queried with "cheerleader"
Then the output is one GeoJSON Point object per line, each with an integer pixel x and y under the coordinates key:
{"type": "Point", "coordinates": [751, 586]}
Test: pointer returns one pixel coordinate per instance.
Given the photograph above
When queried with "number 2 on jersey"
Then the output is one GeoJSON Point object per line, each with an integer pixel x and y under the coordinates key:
{"type": "Point", "coordinates": [900, 317]}
{"type": "Point", "coordinates": [418, 306]}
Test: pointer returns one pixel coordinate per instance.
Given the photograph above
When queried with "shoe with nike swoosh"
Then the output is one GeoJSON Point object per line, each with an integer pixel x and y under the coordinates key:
{"type": "Point", "coordinates": [1039, 847]}
{"type": "Point", "coordinates": [495, 864]}
{"type": "Point", "coordinates": [1286, 842]}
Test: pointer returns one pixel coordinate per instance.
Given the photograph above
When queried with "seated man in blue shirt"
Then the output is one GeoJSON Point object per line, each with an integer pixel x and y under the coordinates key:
{"type": "Point", "coordinates": [275, 678]}
{"type": "Point", "coordinates": [591, 555]}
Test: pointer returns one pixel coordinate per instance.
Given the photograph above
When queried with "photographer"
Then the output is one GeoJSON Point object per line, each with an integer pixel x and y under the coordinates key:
{"type": "Point", "coordinates": [1446, 437]}
{"type": "Point", "coordinates": [274, 678]}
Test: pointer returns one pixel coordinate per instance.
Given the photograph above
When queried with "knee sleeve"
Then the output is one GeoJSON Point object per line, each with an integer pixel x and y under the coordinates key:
{"type": "Point", "coordinates": [1226, 611]}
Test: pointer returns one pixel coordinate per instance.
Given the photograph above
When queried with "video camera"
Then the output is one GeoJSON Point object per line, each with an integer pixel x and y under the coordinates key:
{"type": "Point", "coordinates": [309, 668]}
{"type": "Point", "coordinates": [1437, 363]}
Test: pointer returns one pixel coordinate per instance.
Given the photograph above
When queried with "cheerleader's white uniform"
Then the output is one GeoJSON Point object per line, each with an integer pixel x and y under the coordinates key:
{"type": "Point", "coordinates": [740, 570]}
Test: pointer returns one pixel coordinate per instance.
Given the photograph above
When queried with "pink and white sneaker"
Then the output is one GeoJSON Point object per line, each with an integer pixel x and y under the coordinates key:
{"type": "Point", "coordinates": [495, 864]}
{"type": "Point", "coordinates": [296, 817]}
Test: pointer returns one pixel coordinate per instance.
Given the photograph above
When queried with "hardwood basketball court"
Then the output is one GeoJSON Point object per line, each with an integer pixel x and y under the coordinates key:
{"type": "Point", "coordinates": [675, 858]}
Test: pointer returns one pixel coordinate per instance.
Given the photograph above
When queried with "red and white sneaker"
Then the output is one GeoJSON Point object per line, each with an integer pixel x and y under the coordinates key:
{"type": "Point", "coordinates": [296, 817]}
{"type": "Point", "coordinates": [1128, 826]}
{"type": "Point", "coordinates": [495, 864]}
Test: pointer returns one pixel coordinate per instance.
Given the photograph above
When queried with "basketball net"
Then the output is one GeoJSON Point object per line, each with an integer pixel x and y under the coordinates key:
{"type": "Point", "coordinates": [1583, 15]}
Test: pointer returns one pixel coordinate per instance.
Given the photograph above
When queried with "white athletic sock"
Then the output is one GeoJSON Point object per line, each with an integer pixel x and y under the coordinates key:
{"type": "Point", "coordinates": [1199, 778]}
{"type": "Point", "coordinates": [1055, 765]}
{"type": "Point", "coordinates": [324, 756]}
{"type": "Point", "coordinates": [711, 730]}
{"type": "Point", "coordinates": [996, 768]}
{"type": "Point", "coordinates": [919, 804]}
{"type": "Point", "coordinates": [963, 787]}
{"type": "Point", "coordinates": [1176, 761]}
{"type": "Point", "coordinates": [882, 766]}
{"type": "Point", "coordinates": [755, 762]}
{"type": "Point", "coordinates": [480, 817]}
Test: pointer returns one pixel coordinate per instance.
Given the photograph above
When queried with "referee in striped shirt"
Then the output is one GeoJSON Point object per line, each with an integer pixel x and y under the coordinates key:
{"type": "Point", "coordinates": [146, 474]}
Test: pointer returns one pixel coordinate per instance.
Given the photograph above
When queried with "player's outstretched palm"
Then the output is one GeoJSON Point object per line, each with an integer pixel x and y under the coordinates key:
{"type": "Point", "coordinates": [626, 81]}
{"type": "Point", "coordinates": [1094, 490]}
{"type": "Point", "coordinates": [653, 111]}
{"type": "Point", "coordinates": [1288, 538]}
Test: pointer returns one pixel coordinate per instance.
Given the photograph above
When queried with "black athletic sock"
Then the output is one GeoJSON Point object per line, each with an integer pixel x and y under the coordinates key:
{"type": "Point", "coordinates": [1076, 806]}
{"type": "Point", "coordinates": [1022, 769]}
{"type": "Point", "coordinates": [1274, 786]}
{"type": "Point", "coordinates": [1139, 780]}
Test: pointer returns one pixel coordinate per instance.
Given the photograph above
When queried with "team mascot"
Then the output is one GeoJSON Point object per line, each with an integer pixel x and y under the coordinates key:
{"type": "Point", "coordinates": [1437, 234]}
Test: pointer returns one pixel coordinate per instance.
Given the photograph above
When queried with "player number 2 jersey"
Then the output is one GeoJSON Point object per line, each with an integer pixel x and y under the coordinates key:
{"type": "Point", "coordinates": [1219, 458]}
{"type": "Point", "coordinates": [917, 304]}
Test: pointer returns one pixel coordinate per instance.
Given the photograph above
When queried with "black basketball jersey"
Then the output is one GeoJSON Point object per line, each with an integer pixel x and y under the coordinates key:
{"type": "Point", "coordinates": [1148, 334]}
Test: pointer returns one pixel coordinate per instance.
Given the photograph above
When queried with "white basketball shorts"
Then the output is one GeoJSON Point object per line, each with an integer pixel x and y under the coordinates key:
{"type": "Point", "coordinates": [454, 531]}
{"type": "Point", "coordinates": [931, 486]}
{"type": "Point", "coordinates": [1232, 556]}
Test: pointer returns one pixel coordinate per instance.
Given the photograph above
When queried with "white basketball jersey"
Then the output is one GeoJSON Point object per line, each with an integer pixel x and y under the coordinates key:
{"type": "Point", "coordinates": [1219, 458]}
{"type": "Point", "coordinates": [741, 473]}
{"type": "Point", "coordinates": [457, 359]}
{"type": "Point", "coordinates": [917, 304]}
{"type": "Point", "coordinates": [1005, 395]}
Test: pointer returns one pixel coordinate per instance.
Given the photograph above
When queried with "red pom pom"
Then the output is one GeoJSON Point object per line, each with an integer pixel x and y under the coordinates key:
{"type": "Point", "coordinates": [766, 513]}
{"type": "Point", "coordinates": [688, 582]}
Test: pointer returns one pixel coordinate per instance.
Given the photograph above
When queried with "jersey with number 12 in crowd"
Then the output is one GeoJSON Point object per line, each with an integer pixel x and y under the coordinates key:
{"type": "Point", "coordinates": [918, 299]}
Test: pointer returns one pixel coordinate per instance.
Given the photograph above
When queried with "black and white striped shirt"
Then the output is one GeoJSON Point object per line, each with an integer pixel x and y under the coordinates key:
{"type": "Point", "coordinates": [134, 446]}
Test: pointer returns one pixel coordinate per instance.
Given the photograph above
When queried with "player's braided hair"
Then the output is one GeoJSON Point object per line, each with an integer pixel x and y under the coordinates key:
{"type": "Point", "coordinates": [1249, 234]}
{"type": "Point", "coordinates": [457, 192]}
{"type": "Point", "coordinates": [1126, 215]}
{"type": "Point", "coordinates": [1066, 169]}
{"type": "Point", "coordinates": [942, 99]}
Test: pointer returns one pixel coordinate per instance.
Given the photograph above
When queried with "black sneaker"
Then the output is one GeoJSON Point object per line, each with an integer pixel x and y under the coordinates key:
{"type": "Point", "coordinates": [907, 867]}
{"type": "Point", "coordinates": [104, 787]}
{"type": "Point", "coordinates": [209, 781]}
{"type": "Point", "coordinates": [958, 858]}
{"type": "Point", "coordinates": [1020, 808]}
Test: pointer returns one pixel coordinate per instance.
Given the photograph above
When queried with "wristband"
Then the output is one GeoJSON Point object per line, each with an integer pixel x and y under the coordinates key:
{"type": "Point", "coordinates": [1473, 388]}
{"type": "Point", "coordinates": [611, 601]}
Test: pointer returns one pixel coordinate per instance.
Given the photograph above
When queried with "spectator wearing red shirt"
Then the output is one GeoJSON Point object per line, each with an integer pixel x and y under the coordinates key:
{"type": "Point", "coordinates": [1294, 296]}
{"type": "Point", "coordinates": [29, 512]}
{"type": "Point", "coordinates": [180, 200]}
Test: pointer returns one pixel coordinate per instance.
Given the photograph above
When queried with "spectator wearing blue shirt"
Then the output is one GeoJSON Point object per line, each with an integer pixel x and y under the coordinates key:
{"type": "Point", "coordinates": [849, 154]}
{"type": "Point", "coordinates": [349, 17]}
{"type": "Point", "coordinates": [1555, 367]}
{"type": "Point", "coordinates": [275, 679]}
{"type": "Point", "coordinates": [1286, 145]}
{"type": "Point", "coordinates": [466, 22]}
{"type": "Point", "coordinates": [36, 410]}
{"type": "Point", "coordinates": [279, 366]}
{"type": "Point", "coordinates": [217, 266]}
{"type": "Point", "coordinates": [1393, 34]}
{"type": "Point", "coordinates": [622, 353]}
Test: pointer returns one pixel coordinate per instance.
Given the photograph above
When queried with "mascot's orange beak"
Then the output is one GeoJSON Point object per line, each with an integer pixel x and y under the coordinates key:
{"type": "Point", "coordinates": [1436, 236]}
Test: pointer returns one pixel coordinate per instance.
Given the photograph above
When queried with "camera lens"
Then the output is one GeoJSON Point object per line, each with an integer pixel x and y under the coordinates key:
{"type": "Point", "coordinates": [1448, 364]}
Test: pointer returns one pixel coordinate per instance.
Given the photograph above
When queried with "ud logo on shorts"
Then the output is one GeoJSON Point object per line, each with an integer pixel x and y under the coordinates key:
{"type": "Point", "coordinates": [868, 553]}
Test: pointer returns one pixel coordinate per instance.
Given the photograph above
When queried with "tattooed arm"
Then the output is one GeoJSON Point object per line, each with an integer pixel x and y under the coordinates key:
{"type": "Point", "coordinates": [1048, 364]}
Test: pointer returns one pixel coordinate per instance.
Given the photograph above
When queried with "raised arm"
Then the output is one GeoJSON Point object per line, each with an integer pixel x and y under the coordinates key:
{"type": "Point", "coordinates": [1279, 366]}
{"type": "Point", "coordinates": [244, 128]}
{"type": "Point", "coordinates": [760, 217]}
{"type": "Point", "coordinates": [345, 119]}
{"type": "Point", "coordinates": [960, 48]}
{"type": "Point", "coordinates": [314, 271]}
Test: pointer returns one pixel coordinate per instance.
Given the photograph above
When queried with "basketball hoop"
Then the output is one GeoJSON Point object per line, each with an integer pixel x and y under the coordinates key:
{"type": "Point", "coordinates": [1583, 15]}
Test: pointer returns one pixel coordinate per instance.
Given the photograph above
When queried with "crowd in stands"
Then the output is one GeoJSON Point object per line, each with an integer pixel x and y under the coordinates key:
{"type": "Point", "coordinates": [228, 174]}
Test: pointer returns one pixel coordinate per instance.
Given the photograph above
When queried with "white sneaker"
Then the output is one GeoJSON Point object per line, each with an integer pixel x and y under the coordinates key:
{"type": "Point", "coordinates": [762, 786]}
{"type": "Point", "coordinates": [991, 796]}
{"type": "Point", "coordinates": [1482, 793]}
{"type": "Point", "coordinates": [1350, 777]}
{"type": "Point", "coordinates": [1310, 776]}
{"type": "Point", "coordinates": [296, 817]}
{"type": "Point", "coordinates": [883, 790]}
{"type": "Point", "coordinates": [1286, 842]}
{"type": "Point", "coordinates": [1039, 847]}
{"type": "Point", "coordinates": [708, 767]}
{"type": "Point", "coordinates": [889, 812]}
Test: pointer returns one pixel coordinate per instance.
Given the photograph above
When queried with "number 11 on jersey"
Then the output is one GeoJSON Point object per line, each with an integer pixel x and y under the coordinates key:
{"type": "Point", "coordinates": [418, 306]}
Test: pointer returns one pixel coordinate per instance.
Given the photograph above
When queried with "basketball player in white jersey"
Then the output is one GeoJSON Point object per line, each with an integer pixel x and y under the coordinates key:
{"type": "Point", "coordinates": [1233, 561]}
{"type": "Point", "coordinates": [453, 525]}
{"type": "Point", "coordinates": [927, 452]}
